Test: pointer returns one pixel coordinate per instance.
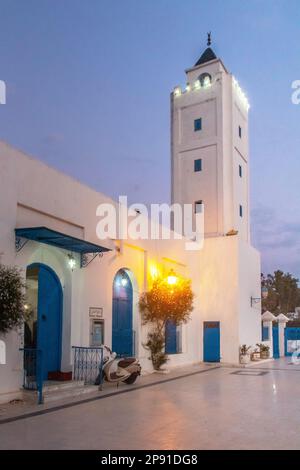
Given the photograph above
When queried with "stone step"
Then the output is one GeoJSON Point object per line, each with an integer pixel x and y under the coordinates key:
{"type": "Point", "coordinates": [52, 387]}
{"type": "Point", "coordinates": [72, 392]}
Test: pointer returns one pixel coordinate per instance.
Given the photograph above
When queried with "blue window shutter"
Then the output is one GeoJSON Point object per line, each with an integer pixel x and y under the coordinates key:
{"type": "Point", "coordinates": [198, 165]}
{"type": "Point", "coordinates": [197, 124]}
{"type": "Point", "coordinates": [170, 338]}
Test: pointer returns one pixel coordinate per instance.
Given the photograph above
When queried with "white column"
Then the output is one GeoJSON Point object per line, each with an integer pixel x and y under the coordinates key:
{"type": "Point", "coordinates": [281, 328]}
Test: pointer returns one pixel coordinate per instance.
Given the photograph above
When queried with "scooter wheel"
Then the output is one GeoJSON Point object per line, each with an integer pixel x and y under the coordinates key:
{"type": "Point", "coordinates": [132, 378]}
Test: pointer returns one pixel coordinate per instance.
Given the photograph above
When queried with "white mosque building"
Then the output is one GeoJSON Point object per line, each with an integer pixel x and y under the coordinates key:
{"type": "Point", "coordinates": [48, 219]}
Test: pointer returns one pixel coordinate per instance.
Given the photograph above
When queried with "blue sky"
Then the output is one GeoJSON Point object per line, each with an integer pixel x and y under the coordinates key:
{"type": "Point", "coordinates": [88, 86]}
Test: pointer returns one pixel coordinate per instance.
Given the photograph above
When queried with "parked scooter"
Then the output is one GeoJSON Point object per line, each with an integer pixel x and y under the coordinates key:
{"type": "Point", "coordinates": [118, 370]}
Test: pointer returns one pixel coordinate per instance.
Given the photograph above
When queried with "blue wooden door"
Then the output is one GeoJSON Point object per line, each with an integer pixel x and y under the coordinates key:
{"type": "Point", "coordinates": [122, 332]}
{"type": "Point", "coordinates": [211, 342]}
{"type": "Point", "coordinates": [49, 320]}
{"type": "Point", "coordinates": [171, 338]}
{"type": "Point", "coordinates": [275, 343]}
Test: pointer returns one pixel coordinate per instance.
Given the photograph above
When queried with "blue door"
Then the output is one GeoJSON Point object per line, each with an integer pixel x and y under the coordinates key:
{"type": "Point", "coordinates": [122, 332]}
{"type": "Point", "coordinates": [211, 342]}
{"type": "Point", "coordinates": [171, 338]}
{"type": "Point", "coordinates": [275, 343]}
{"type": "Point", "coordinates": [292, 340]}
{"type": "Point", "coordinates": [49, 319]}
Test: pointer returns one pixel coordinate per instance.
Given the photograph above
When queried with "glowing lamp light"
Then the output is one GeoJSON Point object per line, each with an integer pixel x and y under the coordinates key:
{"type": "Point", "coordinates": [206, 82]}
{"type": "Point", "coordinates": [124, 281]}
{"type": "Point", "coordinates": [172, 278]}
{"type": "Point", "coordinates": [197, 85]}
{"type": "Point", "coordinates": [177, 91]}
{"type": "Point", "coordinates": [71, 261]}
{"type": "Point", "coordinates": [188, 87]}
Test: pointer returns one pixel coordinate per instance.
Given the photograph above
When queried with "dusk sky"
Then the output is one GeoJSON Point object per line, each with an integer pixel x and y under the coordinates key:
{"type": "Point", "coordinates": [88, 86]}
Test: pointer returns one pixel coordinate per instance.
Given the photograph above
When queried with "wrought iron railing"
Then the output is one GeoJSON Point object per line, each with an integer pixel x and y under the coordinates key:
{"type": "Point", "coordinates": [87, 364]}
{"type": "Point", "coordinates": [33, 371]}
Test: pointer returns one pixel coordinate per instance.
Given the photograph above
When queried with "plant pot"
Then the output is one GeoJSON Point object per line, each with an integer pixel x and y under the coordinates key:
{"type": "Point", "coordinates": [244, 358]}
{"type": "Point", "coordinates": [265, 355]}
{"type": "Point", "coordinates": [256, 356]}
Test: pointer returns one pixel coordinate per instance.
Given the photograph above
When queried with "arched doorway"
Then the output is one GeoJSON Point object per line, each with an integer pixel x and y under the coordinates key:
{"type": "Point", "coordinates": [43, 330]}
{"type": "Point", "coordinates": [122, 331]}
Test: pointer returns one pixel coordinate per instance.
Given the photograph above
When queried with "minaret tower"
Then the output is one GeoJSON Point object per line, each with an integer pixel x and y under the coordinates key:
{"type": "Point", "coordinates": [209, 147]}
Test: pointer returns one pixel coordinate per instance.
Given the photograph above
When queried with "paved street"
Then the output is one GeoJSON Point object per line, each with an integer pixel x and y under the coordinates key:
{"type": "Point", "coordinates": [223, 408]}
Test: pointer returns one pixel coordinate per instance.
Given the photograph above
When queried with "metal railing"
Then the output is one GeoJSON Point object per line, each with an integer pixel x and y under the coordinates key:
{"type": "Point", "coordinates": [33, 371]}
{"type": "Point", "coordinates": [87, 364]}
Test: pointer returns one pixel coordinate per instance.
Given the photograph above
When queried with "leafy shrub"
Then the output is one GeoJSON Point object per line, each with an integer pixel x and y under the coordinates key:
{"type": "Point", "coordinates": [12, 299]}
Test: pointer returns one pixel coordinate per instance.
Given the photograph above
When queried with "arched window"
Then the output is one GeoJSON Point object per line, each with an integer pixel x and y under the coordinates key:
{"type": "Point", "coordinates": [205, 79]}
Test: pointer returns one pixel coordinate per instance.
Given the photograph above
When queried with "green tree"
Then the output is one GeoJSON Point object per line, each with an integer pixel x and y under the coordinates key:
{"type": "Point", "coordinates": [12, 299]}
{"type": "Point", "coordinates": [161, 303]}
{"type": "Point", "coordinates": [283, 292]}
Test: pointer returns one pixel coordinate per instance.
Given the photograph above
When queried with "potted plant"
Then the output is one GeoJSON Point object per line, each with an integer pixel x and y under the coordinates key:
{"type": "Point", "coordinates": [264, 350]}
{"type": "Point", "coordinates": [255, 355]}
{"type": "Point", "coordinates": [245, 354]}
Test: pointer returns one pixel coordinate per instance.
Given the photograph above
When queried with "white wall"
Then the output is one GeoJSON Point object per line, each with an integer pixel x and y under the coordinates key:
{"type": "Point", "coordinates": [249, 286]}
{"type": "Point", "coordinates": [36, 195]}
{"type": "Point", "coordinates": [218, 144]}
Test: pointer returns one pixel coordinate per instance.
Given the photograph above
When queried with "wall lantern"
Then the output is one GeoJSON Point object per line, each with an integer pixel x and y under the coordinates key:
{"type": "Point", "coordinates": [71, 261]}
{"type": "Point", "coordinates": [264, 295]}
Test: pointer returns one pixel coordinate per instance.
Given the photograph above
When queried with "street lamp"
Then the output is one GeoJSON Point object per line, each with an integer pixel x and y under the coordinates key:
{"type": "Point", "coordinates": [172, 278]}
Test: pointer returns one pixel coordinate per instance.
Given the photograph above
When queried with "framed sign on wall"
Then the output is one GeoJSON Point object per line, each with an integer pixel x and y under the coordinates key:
{"type": "Point", "coordinates": [96, 312]}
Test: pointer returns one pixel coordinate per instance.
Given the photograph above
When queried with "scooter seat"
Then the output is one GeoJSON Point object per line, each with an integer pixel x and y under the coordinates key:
{"type": "Point", "coordinates": [126, 361]}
